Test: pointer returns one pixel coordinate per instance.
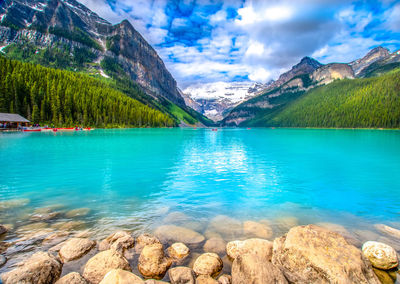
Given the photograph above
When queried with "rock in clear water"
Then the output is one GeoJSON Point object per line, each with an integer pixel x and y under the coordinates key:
{"type": "Point", "coordinates": [3, 260]}
{"type": "Point", "coordinates": [55, 238]}
{"type": "Point", "coordinates": [257, 230]}
{"type": "Point", "coordinates": [119, 276]}
{"type": "Point", "coordinates": [178, 251]}
{"type": "Point", "coordinates": [32, 227]}
{"type": "Point", "coordinates": [215, 245]}
{"type": "Point", "coordinates": [260, 247]}
{"type": "Point", "coordinates": [75, 248]}
{"type": "Point", "coordinates": [171, 233]}
{"type": "Point", "coordinates": [380, 255]}
{"type": "Point", "coordinates": [152, 262]}
{"type": "Point", "coordinates": [119, 241]}
{"type": "Point", "coordinates": [37, 217]}
{"type": "Point", "coordinates": [79, 212]}
{"type": "Point", "coordinates": [100, 264]}
{"type": "Point", "coordinates": [227, 227]}
{"type": "Point", "coordinates": [208, 264]}
{"type": "Point", "coordinates": [312, 254]}
{"type": "Point", "coordinates": [393, 232]}
{"type": "Point", "coordinates": [69, 226]}
{"type": "Point", "coordinates": [3, 230]}
{"type": "Point", "coordinates": [175, 218]}
{"type": "Point", "coordinates": [72, 278]}
{"type": "Point", "coordinates": [144, 240]}
{"type": "Point", "coordinates": [251, 268]}
{"type": "Point", "coordinates": [180, 275]}
{"type": "Point", "coordinates": [40, 268]}
{"type": "Point", "coordinates": [13, 203]}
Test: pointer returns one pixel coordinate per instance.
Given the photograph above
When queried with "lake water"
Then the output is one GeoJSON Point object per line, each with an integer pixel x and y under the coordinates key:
{"type": "Point", "coordinates": [134, 178]}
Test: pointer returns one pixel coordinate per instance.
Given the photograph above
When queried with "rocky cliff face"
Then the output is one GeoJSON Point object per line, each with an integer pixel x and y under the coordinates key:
{"type": "Point", "coordinates": [307, 65]}
{"type": "Point", "coordinates": [330, 72]}
{"type": "Point", "coordinates": [61, 23]}
{"type": "Point", "coordinates": [375, 54]}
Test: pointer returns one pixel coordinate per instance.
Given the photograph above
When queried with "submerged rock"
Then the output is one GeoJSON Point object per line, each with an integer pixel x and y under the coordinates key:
{"type": "Point", "coordinates": [385, 276]}
{"type": "Point", "coordinates": [3, 260]}
{"type": "Point", "coordinates": [103, 262]}
{"type": "Point", "coordinates": [182, 275]}
{"type": "Point", "coordinates": [75, 248]}
{"type": "Point", "coordinates": [380, 255]}
{"type": "Point", "coordinates": [40, 268]}
{"type": "Point", "coordinates": [178, 251]}
{"type": "Point", "coordinates": [119, 276]}
{"type": "Point", "coordinates": [13, 203]}
{"type": "Point", "coordinates": [206, 279]}
{"type": "Point", "coordinates": [215, 245]}
{"type": "Point", "coordinates": [44, 216]}
{"type": "Point", "coordinates": [208, 264]}
{"type": "Point", "coordinates": [32, 227]}
{"type": "Point", "coordinates": [170, 233]}
{"type": "Point", "coordinates": [258, 230]}
{"type": "Point", "coordinates": [119, 241]}
{"type": "Point", "coordinates": [227, 227]}
{"type": "Point", "coordinates": [152, 262]}
{"type": "Point", "coordinates": [55, 238]}
{"type": "Point", "coordinates": [3, 230]}
{"type": "Point", "coordinates": [175, 217]}
{"type": "Point", "coordinates": [72, 278]}
{"type": "Point", "coordinates": [80, 212]}
{"type": "Point", "coordinates": [313, 254]}
{"type": "Point", "coordinates": [260, 247]}
{"type": "Point", "coordinates": [388, 230]}
{"type": "Point", "coordinates": [251, 268]}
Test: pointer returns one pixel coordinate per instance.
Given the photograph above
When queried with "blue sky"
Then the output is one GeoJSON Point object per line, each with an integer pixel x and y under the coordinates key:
{"type": "Point", "coordinates": [203, 41]}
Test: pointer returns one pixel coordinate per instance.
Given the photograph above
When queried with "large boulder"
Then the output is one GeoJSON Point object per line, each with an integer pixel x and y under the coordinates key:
{"type": "Point", "coordinates": [145, 240]}
{"type": "Point", "coordinates": [380, 255]}
{"type": "Point", "coordinates": [182, 275]}
{"type": "Point", "coordinates": [119, 276]}
{"type": "Point", "coordinates": [257, 230]}
{"type": "Point", "coordinates": [72, 278]}
{"type": "Point", "coordinates": [208, 264]}
{"type": "Point", "coordinates": [178, 251]}
{"type": "Point", "coordinates": [152, 262]}
{"type": "Point", "coordinates": [119, 241]}
{"type": "Point", "coordinates": [310, 254]}
{"type": "Point", "coordinates": [75, 248]}
{"type": "Point", "coordinates": [100, 264]}
{"type": "Point", "coordinates": [251, 268]}
{"type": "Point", "coordinates": [260, 247]}
{"type": "Point", "coordinates": [215, 245]}
{"type": "Point", "coordinates": [40, 268]}
{"type": "Point", "coordinates": [172, 233]}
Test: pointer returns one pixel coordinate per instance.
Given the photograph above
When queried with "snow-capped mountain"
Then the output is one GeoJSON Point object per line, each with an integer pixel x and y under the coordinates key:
{"type": "Point", "coordinates": [215, 99]}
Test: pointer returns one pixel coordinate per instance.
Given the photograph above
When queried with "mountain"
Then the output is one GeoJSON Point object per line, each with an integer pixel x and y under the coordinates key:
{"type": "Point", "coordinates": [65, 34]}
{"type": "Point", "coordinates": [215, 99]}
{"type": "Point", "coordinates": [306, 65]}
{"type": "Point", "coordinates": [359, 103]}
{"type": "Point", "coordinates": [54, 23]}
{"type": "Point", "coordinates": [375, 54]}
{"type": "Point", "coordinates": [260, 110]}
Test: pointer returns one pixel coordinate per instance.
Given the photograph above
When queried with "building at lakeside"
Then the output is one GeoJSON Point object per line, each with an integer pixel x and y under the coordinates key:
{"type": "Point", "coordinates": [12, 121]}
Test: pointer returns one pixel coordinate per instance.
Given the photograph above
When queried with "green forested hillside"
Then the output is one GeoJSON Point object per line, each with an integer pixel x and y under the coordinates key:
{"type": "Point", "coordinates": [59, 97]}
{"type": "Point", "coordinates": [359, 103]}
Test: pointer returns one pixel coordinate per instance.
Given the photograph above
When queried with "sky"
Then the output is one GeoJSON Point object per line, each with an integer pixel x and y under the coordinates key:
{"type": "Point", "coordinates": [205, 41]}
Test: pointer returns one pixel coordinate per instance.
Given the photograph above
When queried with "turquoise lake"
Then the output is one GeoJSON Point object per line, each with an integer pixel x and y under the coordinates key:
{"type": "Point", "coordinates": [135, 177]}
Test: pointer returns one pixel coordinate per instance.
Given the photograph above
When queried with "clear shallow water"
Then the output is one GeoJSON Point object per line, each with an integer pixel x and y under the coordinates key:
{"type": "Point", "coordinates": [134, 178]}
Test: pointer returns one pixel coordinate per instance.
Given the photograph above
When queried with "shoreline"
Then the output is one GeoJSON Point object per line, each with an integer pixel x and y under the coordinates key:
{"type": "Point", "coordinates": [216, 254]}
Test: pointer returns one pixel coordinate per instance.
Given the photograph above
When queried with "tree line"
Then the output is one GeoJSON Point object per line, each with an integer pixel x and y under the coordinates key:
{"type": "Point", "coordinates": [63, 98]}
{"type": "Point", "coordinates": [358, 103]}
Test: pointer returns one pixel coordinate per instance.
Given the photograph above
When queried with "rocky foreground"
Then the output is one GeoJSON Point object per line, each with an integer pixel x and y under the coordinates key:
{"type": "Point", "coordinates": [306, 254]}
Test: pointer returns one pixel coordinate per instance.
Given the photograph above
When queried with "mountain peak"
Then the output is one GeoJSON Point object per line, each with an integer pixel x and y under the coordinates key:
{"type": "Point", "coordinates": [373, 55]}
{"type": "Point", "coordinates": [308, 61]}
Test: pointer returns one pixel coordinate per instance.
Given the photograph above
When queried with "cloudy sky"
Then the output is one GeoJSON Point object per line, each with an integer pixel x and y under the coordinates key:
{"type": "Point", "coordinates": [203, 41]}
